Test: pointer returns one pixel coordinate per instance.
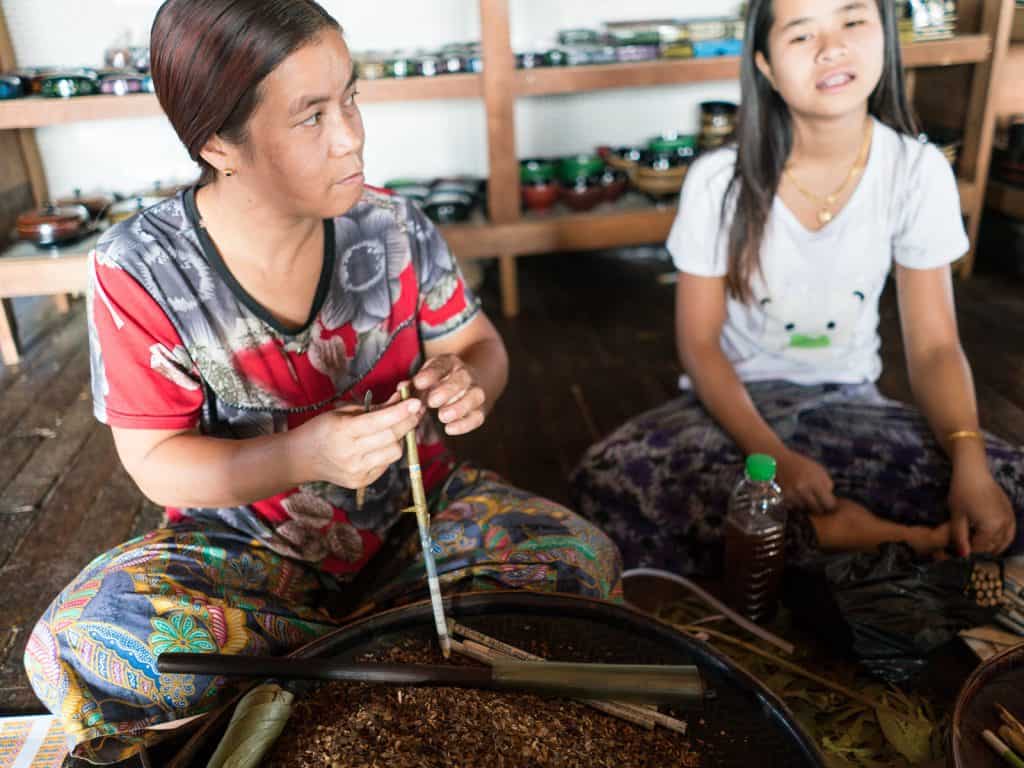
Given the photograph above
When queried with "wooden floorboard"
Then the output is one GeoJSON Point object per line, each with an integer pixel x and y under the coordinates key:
{"type": "Point", "coordinates": [41, 419]}
{"type": "Point", "coordinates": [44, 356]}
{"type": "Point", "coordinates": [593, 346]}
{"type": "Point", "coordinates": [50, 458]}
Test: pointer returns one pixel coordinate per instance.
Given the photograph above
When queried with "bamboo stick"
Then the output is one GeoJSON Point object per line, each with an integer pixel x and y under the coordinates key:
{"type": "Point", "coordinates": [1014, 600]}
{"type": "Point", "coordinates": [1013, 586]}
{"type": "Point", "coordinates": [1010, 624]}
{"type": "Point", "coordinates": [797, 669]}
{"type": "Point", "coordinates": [497, 646]}
{"type": "Point", "coordinates": [666, 683]}
{"type": "Point", "coordinates": [784, 645]}
{"type": "Point", "coordinates": [419, 498]}
{"type": "Point", "coordinates": [1009, 718]}
{"type": "Point", "coordinates": [1012, 738]}
{"type": "Point", "coordinates": [635, 715]}
{"type": "Point", "coordinates": [1001, 749]}
{"type": "Point", "coordinates": [992, 635]}
{"type": "Point", "coordinates": [494, 644]}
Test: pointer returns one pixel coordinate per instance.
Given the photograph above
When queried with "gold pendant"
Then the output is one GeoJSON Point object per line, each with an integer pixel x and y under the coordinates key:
{"type": "Point", "coordinates": [824, 215]}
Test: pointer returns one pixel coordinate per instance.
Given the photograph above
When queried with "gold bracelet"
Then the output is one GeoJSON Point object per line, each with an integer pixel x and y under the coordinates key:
{"type": "Point", "coordinates": [963, 433]}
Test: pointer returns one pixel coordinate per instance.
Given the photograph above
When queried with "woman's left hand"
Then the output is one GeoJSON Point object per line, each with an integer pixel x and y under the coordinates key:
{"type": "Point", "coordinates": [446, 383]}
{"type": "Point", "coordinates": [982, 517]}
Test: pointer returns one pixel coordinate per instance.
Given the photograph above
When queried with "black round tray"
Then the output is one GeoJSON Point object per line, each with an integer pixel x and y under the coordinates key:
{"type": "Point", "coordinates": [741, 724]}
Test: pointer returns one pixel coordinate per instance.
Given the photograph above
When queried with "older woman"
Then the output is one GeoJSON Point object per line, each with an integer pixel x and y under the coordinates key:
{"type": "Point", "coordinates": [238, 332]}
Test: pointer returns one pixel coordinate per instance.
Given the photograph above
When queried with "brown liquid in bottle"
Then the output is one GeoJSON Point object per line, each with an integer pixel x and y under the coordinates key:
{"type": "Point", "coordinates": [753, 566]}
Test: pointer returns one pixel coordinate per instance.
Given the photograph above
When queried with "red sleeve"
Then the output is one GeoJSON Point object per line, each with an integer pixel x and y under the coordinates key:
{"type": "Point", "coordinates": [142, 376]}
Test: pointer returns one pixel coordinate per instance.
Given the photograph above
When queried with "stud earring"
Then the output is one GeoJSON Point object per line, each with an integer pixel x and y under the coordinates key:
{"type": "Point", "coordinates": [229, 172]}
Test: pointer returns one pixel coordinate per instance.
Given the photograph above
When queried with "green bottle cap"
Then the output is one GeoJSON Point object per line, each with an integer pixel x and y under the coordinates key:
{"type": "Point", "coordinates": [761, 467]}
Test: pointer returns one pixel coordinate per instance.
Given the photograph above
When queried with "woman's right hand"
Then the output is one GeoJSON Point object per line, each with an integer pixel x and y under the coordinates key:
{"type": "Point", "coordinates": [352, 448]}
{"type": "Point", "coordinates": [805, 483]}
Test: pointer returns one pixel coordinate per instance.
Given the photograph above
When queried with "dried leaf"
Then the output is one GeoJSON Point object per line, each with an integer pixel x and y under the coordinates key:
{"type": "Point", "coordinates": [911, 737]}
{"type": "Point", "coordinates": [854, 733]}
{"type": "Point", "coordinates": [850, 733]}
{"type": "Point", "coordinates": [258, 720]}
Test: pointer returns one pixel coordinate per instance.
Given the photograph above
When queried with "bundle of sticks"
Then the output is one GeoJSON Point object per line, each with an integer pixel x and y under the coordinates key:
{"type": "Point", "coordinates": [1011, 616]}
{"type": "Point", "coordinates": [985, 586]}
{"type": "Point", "coordinates": [1009, 744]}
{"type": "Point", "coordinates": [485, 649]}
{"type": "Point", "coordinates": [997, 585]}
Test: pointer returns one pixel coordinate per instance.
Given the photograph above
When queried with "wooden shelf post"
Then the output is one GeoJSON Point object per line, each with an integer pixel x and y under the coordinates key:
{"type": "Point", "coordinates": [499, 102]}
{"type": "Point", "coordinates": [26, 187]}
{"type": "Point", "coordinates": [976, 156]}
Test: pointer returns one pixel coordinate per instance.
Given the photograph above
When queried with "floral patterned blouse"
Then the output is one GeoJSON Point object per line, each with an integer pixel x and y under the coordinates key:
{"type": "Point", "coordinates": [176, 343]}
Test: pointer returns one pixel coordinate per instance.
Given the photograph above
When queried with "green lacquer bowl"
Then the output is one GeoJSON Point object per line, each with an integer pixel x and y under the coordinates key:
{"type": "Point", "coordinates": [536, 170]}
{"type": "Point", "coordinates": [69, 86]}
{"type": "Point", "coordinates": [576, 166]}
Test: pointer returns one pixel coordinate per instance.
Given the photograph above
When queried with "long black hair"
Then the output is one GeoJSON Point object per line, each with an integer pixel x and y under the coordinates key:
{"type": "Point", "coordinates": [764, 139]}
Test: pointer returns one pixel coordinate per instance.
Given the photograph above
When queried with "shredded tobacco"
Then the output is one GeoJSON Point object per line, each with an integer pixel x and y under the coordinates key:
{"type": "Point", "coordinates": [360, 725]}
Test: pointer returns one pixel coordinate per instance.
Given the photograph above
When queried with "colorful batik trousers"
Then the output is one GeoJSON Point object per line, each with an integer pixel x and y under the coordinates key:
{"type": "Point", "coordinates": [659, 485]}
{"type": "Point", "coordinates": [207, 588]}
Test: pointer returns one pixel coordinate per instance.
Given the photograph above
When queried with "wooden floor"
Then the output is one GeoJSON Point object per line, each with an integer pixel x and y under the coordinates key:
{"type": "Point", "coordinates": [592, 347]}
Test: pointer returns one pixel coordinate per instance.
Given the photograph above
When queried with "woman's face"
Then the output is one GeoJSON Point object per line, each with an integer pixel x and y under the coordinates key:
{"type": "Point", "coordinates": [825, 57]}
{"type": "Point", "coordinates": [304, 152]}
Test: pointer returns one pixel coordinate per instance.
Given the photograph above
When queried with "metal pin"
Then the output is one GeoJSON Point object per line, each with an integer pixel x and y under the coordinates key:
{"type": "Point", "coordinates": [361, 491]}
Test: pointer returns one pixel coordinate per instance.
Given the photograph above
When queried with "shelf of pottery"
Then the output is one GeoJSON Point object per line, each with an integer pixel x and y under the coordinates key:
{"type": "Point", "coordinates": [600, 197]}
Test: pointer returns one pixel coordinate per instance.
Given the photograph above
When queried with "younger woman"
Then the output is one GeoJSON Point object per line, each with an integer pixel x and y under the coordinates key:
{"type": "Point", "coordinates": [784, 243]}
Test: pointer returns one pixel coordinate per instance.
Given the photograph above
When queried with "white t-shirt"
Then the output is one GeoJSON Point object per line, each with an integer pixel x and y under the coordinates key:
{"type": "Point", "coordinates": [814, 317]}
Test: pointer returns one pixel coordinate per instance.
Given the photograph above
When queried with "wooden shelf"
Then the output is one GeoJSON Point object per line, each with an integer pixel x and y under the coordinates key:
{"type": "Point", "coordinates": [1005, 198]}
{"type": "Point", "coordinates": [37, 111]}
{"type": "Point", "coordinates": [26, 270]}
{"type": "Point", "coordinates": [421, 88]}
{"type": "Point", "coordinates": [544, 81]}
{"type": "Point", "coordinates": [962, 49]}
{"type": "Point", "coordinates": [631, 221]}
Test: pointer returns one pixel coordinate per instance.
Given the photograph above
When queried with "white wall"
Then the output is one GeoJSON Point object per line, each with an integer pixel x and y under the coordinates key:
{"type": "Point", "coordinates": [415, 139]}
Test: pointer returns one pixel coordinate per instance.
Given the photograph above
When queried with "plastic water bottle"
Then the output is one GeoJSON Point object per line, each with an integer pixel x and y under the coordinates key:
{"type": "Point", "coordinates": [755, 530]}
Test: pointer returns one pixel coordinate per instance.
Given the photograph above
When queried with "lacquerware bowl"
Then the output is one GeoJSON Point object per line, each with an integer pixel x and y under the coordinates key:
{"type": "Point", "coordinates": [999, 680]}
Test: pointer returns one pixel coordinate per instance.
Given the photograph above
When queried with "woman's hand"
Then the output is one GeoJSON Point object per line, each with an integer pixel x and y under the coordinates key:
{"type": "Point", "coordinates": [805, 483]}
{"type": "Point", "coordinates": [981, 515]}
{"type": "Point", "coordinates": [351, 448]}
{"type": "Point", "coordinates": [446, 383]}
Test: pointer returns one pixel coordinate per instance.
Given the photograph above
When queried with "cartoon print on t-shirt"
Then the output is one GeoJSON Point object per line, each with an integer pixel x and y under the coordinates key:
{"type": "Point", "coordinates": [805, 324]}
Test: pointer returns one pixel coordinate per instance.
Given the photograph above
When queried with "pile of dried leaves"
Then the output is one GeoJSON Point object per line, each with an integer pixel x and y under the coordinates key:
{"type": "Point", "coordinates": [904, 730]}
{"type": "Point", "coordinates": [354, 725]}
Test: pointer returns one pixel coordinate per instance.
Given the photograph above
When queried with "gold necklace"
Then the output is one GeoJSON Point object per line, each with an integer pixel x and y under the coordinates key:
{"type": "Point", "coordinates": [825, 214]}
